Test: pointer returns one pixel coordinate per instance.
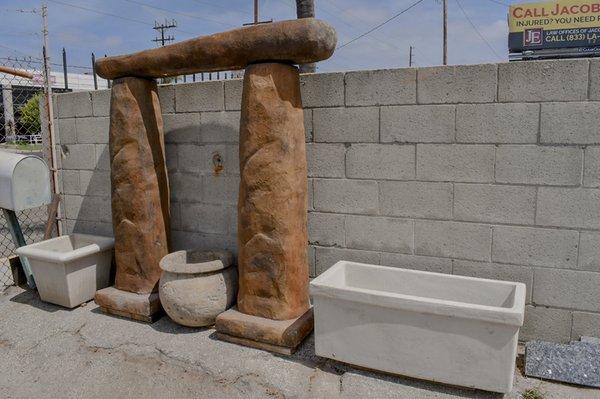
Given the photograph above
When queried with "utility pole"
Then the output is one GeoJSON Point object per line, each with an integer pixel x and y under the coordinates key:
{"type": "Point", "coordinates": [445, 60]}
{"type": "Point", "coordinates": [94, 72]}
{"type": "Point", "coordinates": [162, 28]}
{"type": "Point", "coordinates": [50, 109]}
{"type": "Point", "coordinates": [255, 12]}
{"type": "Point", "coordinates": [410, 57]}
{"type": "Point", "coordinates": [65, 69]}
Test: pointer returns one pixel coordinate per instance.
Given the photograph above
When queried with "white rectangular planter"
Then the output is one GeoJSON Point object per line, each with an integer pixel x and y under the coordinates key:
{"type": "Point", "coordinates": [456, 330]}
{"type": "Point", "coordinates": [68, 270]}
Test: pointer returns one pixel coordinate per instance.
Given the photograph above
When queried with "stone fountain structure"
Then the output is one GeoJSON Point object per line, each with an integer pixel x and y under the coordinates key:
{"type": "Point", "coordinates": [273, 310]}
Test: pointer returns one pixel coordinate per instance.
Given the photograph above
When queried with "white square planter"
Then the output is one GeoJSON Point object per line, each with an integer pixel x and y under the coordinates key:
{"type": "Point", "coordinates": [68, 270]}
{"type": "Point", "coordinates": [456, 330]}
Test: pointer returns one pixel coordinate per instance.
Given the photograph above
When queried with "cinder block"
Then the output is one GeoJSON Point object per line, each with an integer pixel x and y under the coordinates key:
{"type": "Point", "coordinates": [460, 162]}
{"type": "Point", "coordinates": [585, 325]}
{"type": "Point", "coordinates": [570, 123]}
{"type": "Point", "coordinates": [231, 160]}
{"type": "Point", "coordinates": [591, 170]}
{"type": "Point", "coordinates": [233, 94]}
{"type": "Point", "coordinates": [497, 123]}
{"type": "Point", "coordinates": [78, 156]}
{"type": "Point", "coordinates": [308, 125]}
{"type": "Point", "coordinates": [175, 216]}
{"type": "Point", "coordinates": [94, 183]}
{"type": "Point", "coordinates": [322, 90]}
{"type": "Point", "coordinates": [101, 102]}
{"type": "Point", "coordinates": [102, 157]}
{"type": "Point", "coordinates": [346, 125]}
{"type": "Point", "coordinates": [221, 189]}
{"type": "Point", "coordinates": [346, 196]}
{"type": "Point", "coordinates": [67, 132]}
{"type": "Point", "coordinates": [171, 157]}
{"type": "Point", "coordinates": [326, 160]}
{"type": "Point", "coordinates": [496, 271]}
{"type": "Point", "coordinates": [494, 203]}
{"type": "Point", "coordinates": [327, 257]}
{"type": "Point", "coordinates": [232, 220]}
{"type": "Point", "coordinates": [530, 164]}
{"type": "Point", "coordinates": [594, 80]}
{"type": "Point", "coordinates": [311, 195]}
{"type": "Point", "coordinates": [204, 218]}
{"type": "Point", "coordinates": [92, 130]}
{"type": "Point", "coordinates": [569, 207]}
{"type": "Point", "coordinates": [205, 96]}
{"type": "Point", "coordinates": [327, 229]}
{"type": "Point", "coordinates": [380, 234]}
{"type": "Point", "coordinates": [311, 262]}
{"type": "Point", "coordinates": [381, 161]}
{"type": "Point", "coordinates": [546, 324]}
{"type": "Point", "coordinates": [571, 289]}
{"type": "Point", "coordinates": [166, 96]}
{"type": "Point", "coordinates": [223, 127]}
{"type": "Point", "coordinates": [89, 227]}
{"type": "Point", "coordinates": [453, 240]}
{"type": "Point", "coordinates": [71, 206]}
{"type": "Point", "coordinates": [202, 241]}
{"type": "Point", "coordinates": [418, 124]}
{"type": "Point", "coordinates": [74, 105]}
{"type": "Point", "coordinates": [416, 199]}
{"type": "Point", "coordinates": [457, 84]}
{"type": "Point", "coordinates": [186, 188]}
{"type": "Point", "coordinates": [563, 80]}
{"type": "Point", "coordinates": [534, 246]}
{"type": "Point", "coordinates": [381, 87]}
{"type": "Point", "coordinates": [414, 262]}
{"type": "Point", "coordinates": [70, 182]}
{"type": "Point", "coordinates": [182, 128]}
{"type": "Point", "coordinates": [199, 158]}
{"type": "Point", "coordinates": [589, 251]}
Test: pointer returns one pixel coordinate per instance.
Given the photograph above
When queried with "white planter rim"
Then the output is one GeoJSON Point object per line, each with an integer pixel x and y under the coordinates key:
{"type": "Point", "coordinates": [39, 250]}
{"type": "Point", "coordinates": [329, 285]}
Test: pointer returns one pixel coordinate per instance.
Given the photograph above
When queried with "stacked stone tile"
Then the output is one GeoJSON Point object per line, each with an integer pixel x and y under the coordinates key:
{"type": "Point", "coordinates": [485, 170]}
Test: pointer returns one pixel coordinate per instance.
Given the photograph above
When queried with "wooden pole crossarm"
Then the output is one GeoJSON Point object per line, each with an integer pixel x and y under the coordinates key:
{"type": "Point", "coordinates": [298, 41]}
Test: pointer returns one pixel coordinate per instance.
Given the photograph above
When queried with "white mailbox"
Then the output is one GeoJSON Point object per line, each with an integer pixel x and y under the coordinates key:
{"type": "Point", "coordinates": [24, 182]}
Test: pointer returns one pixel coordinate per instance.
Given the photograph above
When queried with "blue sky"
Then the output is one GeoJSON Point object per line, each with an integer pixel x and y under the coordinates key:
{"type": "Point", "coordinates": [82, 32]}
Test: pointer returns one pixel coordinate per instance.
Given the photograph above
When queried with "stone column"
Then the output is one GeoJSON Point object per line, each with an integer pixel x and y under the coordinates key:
{"type": "Point", "coordinates": [140, 199]}
{"type": "Point", "coordinates": [273, 310]}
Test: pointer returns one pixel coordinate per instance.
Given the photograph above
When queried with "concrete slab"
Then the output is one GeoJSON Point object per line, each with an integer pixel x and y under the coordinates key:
{"type": "Point", "coordinates": [48, 351]}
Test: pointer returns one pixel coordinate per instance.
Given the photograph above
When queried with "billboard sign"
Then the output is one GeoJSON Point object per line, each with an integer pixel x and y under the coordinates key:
{"type": "Point", "coordinates": [554, 25]}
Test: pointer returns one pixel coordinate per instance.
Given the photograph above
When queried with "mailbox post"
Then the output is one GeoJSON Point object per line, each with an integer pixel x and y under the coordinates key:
{"type": "Point", "coordinates": [24, 184]}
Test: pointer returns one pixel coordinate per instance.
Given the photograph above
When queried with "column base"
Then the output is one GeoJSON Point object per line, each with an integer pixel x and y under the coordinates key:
{"type": "Point", "coordinates": [279, 336]}
{"type": "Point", "coordinates": [141, 307]}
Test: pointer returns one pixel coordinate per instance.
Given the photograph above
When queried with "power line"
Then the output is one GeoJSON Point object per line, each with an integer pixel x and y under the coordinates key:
{"type": "Point", "coordinates": [381, 24]}
{"type": "Point", "coordinates": [137, 21]}
{"type": "Point", "coordinates": [500, 2]}
{"type": "Point", "coordinates": [139, 3]}
{"type": "Point", "coordinates": [477, 30]}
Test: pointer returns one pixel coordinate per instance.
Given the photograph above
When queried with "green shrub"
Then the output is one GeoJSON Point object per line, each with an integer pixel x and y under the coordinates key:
{"type": "Point", "coordinates": [30, 115]}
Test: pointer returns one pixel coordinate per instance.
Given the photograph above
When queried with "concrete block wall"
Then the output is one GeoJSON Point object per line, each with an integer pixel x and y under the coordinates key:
{"type": "Point", "coordinates": [482, 170]}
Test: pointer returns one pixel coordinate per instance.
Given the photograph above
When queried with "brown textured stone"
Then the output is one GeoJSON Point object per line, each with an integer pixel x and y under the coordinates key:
{"type": "Point", "coordinates": [272, 206]}
{"type": "Point", "coordinates": [296, 41]}
{"type": "Point", "coordinates": [140, 191]}
{"type": "Point", "coordinates": [280, 336]}
{"type": "Point", "coordinates": [142, 307]}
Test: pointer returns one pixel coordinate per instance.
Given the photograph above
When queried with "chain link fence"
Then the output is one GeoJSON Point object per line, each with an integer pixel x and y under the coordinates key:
{"type": "Point", "coordinates": [21, 132]}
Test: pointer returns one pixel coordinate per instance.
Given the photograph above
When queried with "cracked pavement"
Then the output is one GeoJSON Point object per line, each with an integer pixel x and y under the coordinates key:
{"type": "Point", "coordinates": [50, 352]}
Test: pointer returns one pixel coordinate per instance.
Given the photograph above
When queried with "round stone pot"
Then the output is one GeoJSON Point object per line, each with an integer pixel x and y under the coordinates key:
{"type": "Point", "coordinates": [196, 286]}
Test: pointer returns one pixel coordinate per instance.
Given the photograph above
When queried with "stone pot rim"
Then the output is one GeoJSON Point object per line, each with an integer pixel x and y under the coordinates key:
{"type": "Point", "coordinates": [178, 262]}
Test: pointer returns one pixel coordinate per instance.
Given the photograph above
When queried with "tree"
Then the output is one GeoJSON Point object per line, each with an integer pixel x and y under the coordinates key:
{"type": "Point", "coordinates": [30, 115]}
{"type": "Point", "coordinates": [306, 9]}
